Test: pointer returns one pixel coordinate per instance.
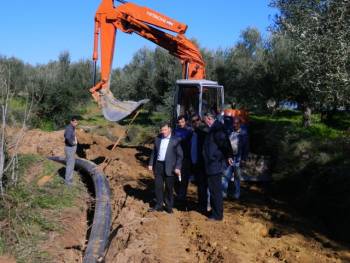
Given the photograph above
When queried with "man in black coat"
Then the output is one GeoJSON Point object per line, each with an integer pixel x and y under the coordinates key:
{"type": "Point", "coordinates": [216, 152]}
{"type": "Point", "coordinates": [165, 161]}
{"type": "Point", "coordinates": [197, 142]}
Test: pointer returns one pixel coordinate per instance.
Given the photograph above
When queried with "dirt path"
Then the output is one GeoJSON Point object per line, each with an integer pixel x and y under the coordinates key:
{"type": "Point", "coordinates": [255, 229]}
{"type": "Point", "coordinates": [171, 243]}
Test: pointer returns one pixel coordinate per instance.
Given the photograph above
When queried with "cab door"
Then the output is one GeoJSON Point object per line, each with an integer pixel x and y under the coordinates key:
{"type": "Point", "coordinates": [186, 100]}
{"type": "Point", "coordinates": [211, 99]}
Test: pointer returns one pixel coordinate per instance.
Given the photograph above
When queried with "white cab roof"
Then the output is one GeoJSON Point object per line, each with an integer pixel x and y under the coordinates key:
{"type": "Point", "coordinates": [201, 82]}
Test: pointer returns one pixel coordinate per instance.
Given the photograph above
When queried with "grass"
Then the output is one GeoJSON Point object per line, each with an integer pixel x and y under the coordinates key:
{"type": "Point", "coordinates": [28, 212]}
{"type": "Point", "coordinates": [293, 147]}
{"type": "Point", "coordinates": [293, 120]}
{"type": "Point", "coordinates": [91, 115]}
{"type": "Point", "coordinates": [2, 246]}
{"type": "Point", "coordinates": [144, 119]}
{"type": "Point", "coordinates": [46, 125]}
{"type": "Point", "coordinates": [310, 166]}
{"type": "Point", "coordinates": [143, 129]}
{"type": "Point", "coordinates": [18, 104]}
{"type": "Point", "coordinates": [16, 108]}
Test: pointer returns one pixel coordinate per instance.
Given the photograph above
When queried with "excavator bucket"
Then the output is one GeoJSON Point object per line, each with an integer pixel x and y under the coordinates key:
{"type": "Point", "coordinates": [116, 110]}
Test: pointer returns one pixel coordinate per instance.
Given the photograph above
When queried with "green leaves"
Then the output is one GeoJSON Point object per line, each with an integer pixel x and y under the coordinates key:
{"type": "Point", "coordinates": [151, 74]}
{"type": "Point", "coordinates": [58, 89]}
{"type": "Point", "coordinates": [319, 31]}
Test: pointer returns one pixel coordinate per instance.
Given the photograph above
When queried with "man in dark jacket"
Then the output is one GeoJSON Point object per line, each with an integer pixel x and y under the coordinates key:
{"type": "Point", "coordinates": [184, 133]}
{"type": "Point", "coordinates": [70, 148]}
{"type": "Point", "coordinates": [197, 159]}
{"type": "Point", "coordinates": [165, 161]}
{"type": "Point", "coordinates": [216, 152]}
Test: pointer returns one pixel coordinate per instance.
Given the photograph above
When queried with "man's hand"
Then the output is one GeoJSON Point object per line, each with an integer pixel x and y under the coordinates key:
{"type": "Point", "coordinates": [230, 161]}
{"type": "Point", "coordinates": [150, 168]}
{"type": "Point", "coordinates": [178, 172]}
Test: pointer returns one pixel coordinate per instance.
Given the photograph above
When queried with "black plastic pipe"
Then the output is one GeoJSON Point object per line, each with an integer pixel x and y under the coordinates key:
{"type": "Point", "coordinates": [101, 225]}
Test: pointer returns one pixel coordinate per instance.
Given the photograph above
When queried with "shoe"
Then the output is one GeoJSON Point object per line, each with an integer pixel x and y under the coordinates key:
{"type": "Point", "coordinates": [169, 210]}
{"type": "Point", "coordinates": [211, 218]}
{"type": "Point", "coordinates": [182, 205]}
{"type": "Point", "coordinates": [204, 212]}
{"type": "Point", "coordinates": [155, 209]}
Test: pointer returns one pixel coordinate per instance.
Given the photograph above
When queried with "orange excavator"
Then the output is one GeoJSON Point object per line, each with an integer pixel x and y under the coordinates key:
{"type": "Point", "coordinates": [194, 94]}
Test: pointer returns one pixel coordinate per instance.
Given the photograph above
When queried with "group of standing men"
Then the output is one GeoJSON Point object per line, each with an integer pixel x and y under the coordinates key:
{"type": "Point", "coordinates": [212, 149]}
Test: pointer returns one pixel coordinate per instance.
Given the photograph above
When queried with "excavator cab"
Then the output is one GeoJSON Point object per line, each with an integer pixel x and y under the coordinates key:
{"type": "Point", "coordinates": [197, 96]}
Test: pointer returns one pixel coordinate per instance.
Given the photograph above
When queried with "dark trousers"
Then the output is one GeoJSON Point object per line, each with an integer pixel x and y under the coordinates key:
{"type": "Point", "coordinates": [202, 188]}
{"type": "Point", "coordinates": [167, 195]}
{"type": "Point", "coordinates": [216, 199]}
{"type": "Point", "coordinates": [181, 187]}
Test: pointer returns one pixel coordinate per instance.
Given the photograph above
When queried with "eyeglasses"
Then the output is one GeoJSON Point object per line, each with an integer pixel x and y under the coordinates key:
{"type": "Point", "coordinates": [195, 120]}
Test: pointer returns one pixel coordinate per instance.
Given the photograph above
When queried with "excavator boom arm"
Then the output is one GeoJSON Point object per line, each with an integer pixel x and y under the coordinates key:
{"type": "Point", "coordinates": [147, 23]}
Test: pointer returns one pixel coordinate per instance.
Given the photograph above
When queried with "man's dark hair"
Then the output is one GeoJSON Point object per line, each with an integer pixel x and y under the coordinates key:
{"type": "Point", "coordinates": [165, 123]}
{"type": "Point", "coordinates": [209, 115]}
{"type": "Point", "coordinates": [237, 120]}
{"type": "Point", "coordinates": [181, 117]}
{"type": "Point", "coordinates": [196, 115]}
{"type": "Point", "coordinates": [74, 118]}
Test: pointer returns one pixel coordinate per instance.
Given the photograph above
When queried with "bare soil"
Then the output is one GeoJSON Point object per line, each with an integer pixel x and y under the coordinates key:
{"type": "Point", "coordinates": [255, 229]}
{"type": "Point", "coordinates": [68, 243]}
{"type": "Point", "coordinates": [7, 259]}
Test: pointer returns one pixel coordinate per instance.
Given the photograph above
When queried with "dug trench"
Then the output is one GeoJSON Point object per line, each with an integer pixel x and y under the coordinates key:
{"type": "Point", "coordinates": [258, 228]}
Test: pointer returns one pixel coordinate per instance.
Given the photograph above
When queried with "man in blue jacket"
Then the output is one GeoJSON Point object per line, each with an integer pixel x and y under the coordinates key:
{"type": "Point", "coordinates": [70, 140]}
{"type": "Point", "coordinates": [217, 152]}
{"type": "Point", "coordinates": [184, 133]}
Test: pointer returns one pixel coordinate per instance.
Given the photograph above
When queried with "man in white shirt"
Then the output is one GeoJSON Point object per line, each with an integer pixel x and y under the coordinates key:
{"type": "Point", "coordinates": [165, 161]}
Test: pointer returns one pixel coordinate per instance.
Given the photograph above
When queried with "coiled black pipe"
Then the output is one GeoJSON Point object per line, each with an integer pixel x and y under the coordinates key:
{"type": "Point", "coordinates": [102, 216]}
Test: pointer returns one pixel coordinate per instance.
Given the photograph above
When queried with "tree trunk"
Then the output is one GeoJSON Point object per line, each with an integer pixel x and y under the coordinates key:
{"type": "Point", "coordinates": [2, 149]}
{"type": "Point", "coordinates": [307, 117]}
{"type": "Point", "coordinates": [324, 116]}
{"type": "Point", "coordinates": [2, 164]}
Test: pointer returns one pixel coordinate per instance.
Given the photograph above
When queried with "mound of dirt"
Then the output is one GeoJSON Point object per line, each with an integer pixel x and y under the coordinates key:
{"type": "Point", "coordinates": [52, 143]}
{"type": "Point", "coordinates": [7, 259]}
{"type": "Point", "coordinates": [40, 142]}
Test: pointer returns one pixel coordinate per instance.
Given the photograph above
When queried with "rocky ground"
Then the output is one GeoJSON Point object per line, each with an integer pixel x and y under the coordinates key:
{"type": "Point", "coordinates": [255, 229]}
